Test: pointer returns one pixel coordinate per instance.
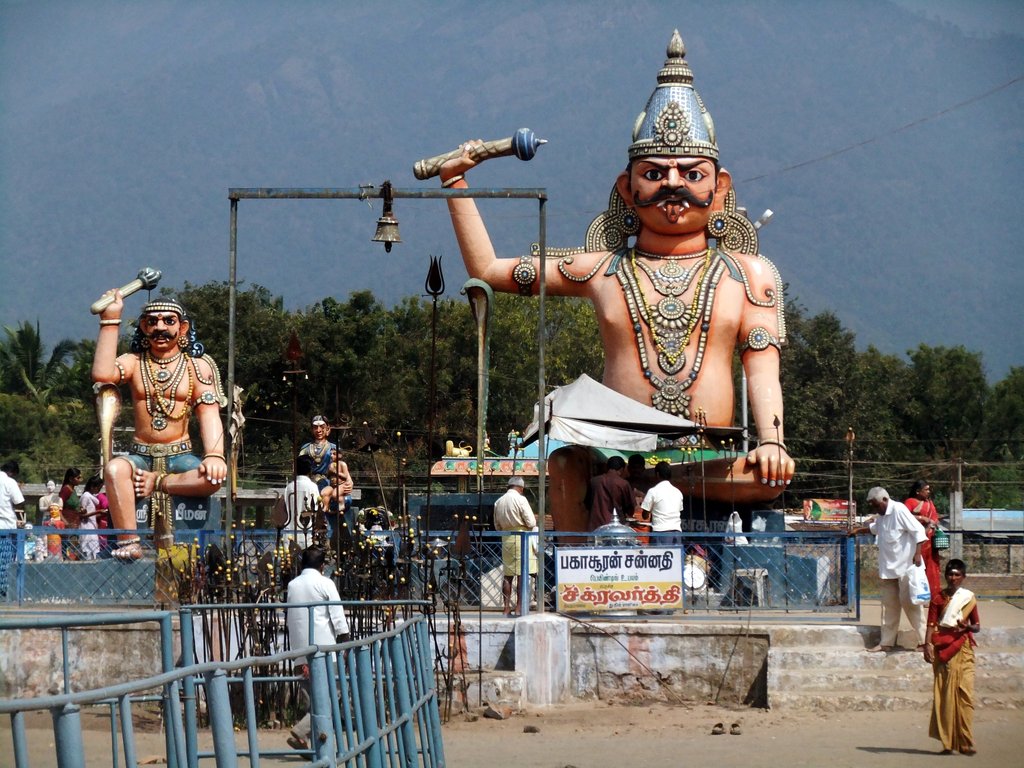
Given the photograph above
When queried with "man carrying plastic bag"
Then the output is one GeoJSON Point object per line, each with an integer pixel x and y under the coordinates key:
{"type": "Point", "coordinates": [898, 536]}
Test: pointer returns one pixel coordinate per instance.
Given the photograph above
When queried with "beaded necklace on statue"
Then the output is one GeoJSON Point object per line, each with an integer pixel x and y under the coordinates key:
{"type": "Point", "coordinates": [161, 375]}
{"type": "Point", "coordinates": [160, 386]}
{"type": "Point", "coordinates": [671, 322]}
{"type": "Point", "coordinates": [317, 451]}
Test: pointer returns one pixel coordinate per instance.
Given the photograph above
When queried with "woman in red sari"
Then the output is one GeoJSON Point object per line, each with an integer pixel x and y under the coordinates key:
{"type": "Point", "coordinates": [949, 646]}
{"type": "Point", "coordinates": [923, 509]}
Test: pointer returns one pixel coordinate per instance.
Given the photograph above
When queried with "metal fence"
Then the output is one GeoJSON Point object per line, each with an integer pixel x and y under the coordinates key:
{"type": "Point", "coordinates": [774, 571]}
{"type": "Point", "coordinates": [372, 701]}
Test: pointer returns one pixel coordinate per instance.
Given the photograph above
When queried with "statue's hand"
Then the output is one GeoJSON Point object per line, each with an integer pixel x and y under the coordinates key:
{"type": "Point", "coordinates": [214, 469]}
{"type": "Point", "coordinates": [113, 310]}
{"type": "Point", "coordinates": [463, 162]}
{"type": "Point", "coordinates": [772, 464]}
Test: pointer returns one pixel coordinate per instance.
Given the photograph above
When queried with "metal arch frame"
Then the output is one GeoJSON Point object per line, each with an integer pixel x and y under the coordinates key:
{"type": "Point", "coordinates": [235, 194]}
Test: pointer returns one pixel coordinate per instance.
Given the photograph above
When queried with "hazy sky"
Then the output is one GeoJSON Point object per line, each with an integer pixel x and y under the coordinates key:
{"type": "Point", "coordinates": [59, 57]}
{"type": "Point", "coordinates": [981, 17]}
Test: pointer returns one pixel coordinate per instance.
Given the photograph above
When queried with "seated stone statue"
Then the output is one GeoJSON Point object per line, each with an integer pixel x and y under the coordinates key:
{"type": "Point", "coordinates": [170, 378]}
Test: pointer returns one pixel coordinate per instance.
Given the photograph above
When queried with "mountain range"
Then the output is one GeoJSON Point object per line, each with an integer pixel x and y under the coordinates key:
{"type": "Point", "coordinates": [888, 142]}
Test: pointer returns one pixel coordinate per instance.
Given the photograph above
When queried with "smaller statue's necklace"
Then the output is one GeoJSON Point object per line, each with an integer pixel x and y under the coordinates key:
{"type": "Point", "coordinates": [161, 396]}
{"type": "Point", "coordinates": [163, 375]}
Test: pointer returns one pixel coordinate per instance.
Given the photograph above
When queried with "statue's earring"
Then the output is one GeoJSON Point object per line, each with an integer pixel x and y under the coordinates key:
{"type": "Point", "coordinates": [182, 342]}
{"type": "Point", "coordinates": [145, 342]}
{"type": "Point", "coordinates": [717, 225]}
{"type": "Point", "coordinates": [630, 222]}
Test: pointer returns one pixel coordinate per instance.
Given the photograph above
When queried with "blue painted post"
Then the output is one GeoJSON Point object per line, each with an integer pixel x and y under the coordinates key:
{"type": "Point", "coordinates": [127, 730]}
{"type": "Point", "coordinates": [346, 733]}
{"type": "Point", "coordinates": [524, 573]}
{"type": "Point", "coordinates": [430, 711]}
{"type": "Point", "coordinates": [188, 657]}
{"type": "Point", "coordinates": [20, 744]}
{"type": "Point", "coordinates": [322, 735]}
{"type": "Point", "coordinates": [368, 707]}
{"type": "Point", "coordinates": [20, 559]}
{"type": "Point", "coordinates": [334, 662]}
{"type": "Point", "coordinates": [402, 684]}
{"type": "Point", "coordinates": [221, 725]}
{"type": "Point", "coordinates": [174, 734]}
{"type": "Point", "coordinates": [852, 582]}
{"type": "Point", "coordinates": [65, 664]}
{"type": "Point", "coordinates": [67, 733]}
{"type": "Point", "coordinates": [114, 760]}
{"type": "Point", "coordinates": [252, 726]}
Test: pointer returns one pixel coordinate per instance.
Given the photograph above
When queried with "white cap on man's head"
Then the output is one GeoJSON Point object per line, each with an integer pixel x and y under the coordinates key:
{"type": "Point", "coordinates": [878, 494]}
{"type": "Point", "coordinates": [318, 420]}
{"type": "Point", "coordinates": [516, 482]}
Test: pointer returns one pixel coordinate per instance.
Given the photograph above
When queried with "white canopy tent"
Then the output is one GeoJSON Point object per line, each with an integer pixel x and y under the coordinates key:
{"type": "Point", "coordinates": [589, 413]}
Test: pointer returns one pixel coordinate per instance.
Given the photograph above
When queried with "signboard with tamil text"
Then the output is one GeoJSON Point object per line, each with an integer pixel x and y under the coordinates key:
{"type": "Point", "coordinates": [604, 579]}
{"type": "Point", "coordinates": [826, 510]}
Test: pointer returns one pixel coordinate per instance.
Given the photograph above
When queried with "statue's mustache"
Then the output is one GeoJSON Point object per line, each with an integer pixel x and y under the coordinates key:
{"type": "Point", "coordinates": [674, 195]}
{"type": "Point", "coordinates": [161, 336]}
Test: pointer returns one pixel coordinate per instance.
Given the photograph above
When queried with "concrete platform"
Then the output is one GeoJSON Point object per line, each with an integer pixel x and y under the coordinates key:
{"type": "Point", "coordinates": [794, 661]}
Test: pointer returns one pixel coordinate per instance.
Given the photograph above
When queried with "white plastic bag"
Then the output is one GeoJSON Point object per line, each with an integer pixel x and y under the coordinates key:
{"type": "Point", "coordinates": [917, 583]}
{"type": "Point", "coordinates": [735, 525]}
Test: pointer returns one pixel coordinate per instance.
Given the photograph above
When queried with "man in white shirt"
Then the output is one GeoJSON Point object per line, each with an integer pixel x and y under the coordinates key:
{"type": "Point", "coordinates": [899, 536]}
{"type": "Point", "coordinates": [10, 496]}
{"type": "Point", "coordinates": [329, 623]}
{"type": "Point", "coordinates": [512, 512]}
{"type": "Point", "coordinates": [664, 503]}
{"type": "Point", "coordinates": [10, 519]}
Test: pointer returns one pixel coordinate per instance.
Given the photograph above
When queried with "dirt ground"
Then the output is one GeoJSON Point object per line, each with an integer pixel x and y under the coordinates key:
{"type": "Point", "coordinates": [602, 736]}
{"type": "Point", "coordinates": [597, 735]}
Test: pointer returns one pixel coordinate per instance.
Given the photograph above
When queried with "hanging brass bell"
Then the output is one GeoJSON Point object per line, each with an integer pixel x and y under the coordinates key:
{"type": "Point", "coordinates": [387, 231]}
{"type": "Point", "coordinates": [387, 224]}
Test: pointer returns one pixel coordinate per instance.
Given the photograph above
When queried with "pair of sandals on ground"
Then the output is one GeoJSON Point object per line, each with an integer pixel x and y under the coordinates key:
{"type": "Point", "coordinates": [719, 729]}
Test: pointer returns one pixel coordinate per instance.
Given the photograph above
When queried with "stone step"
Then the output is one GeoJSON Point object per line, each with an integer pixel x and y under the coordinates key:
{"type": "Point", "coordinates": [865, 637]}
{"type": "Point", "coordinates": [808, 681]}
{"type": "Point", "coordinates": [842, 700]}
{"type": "Point", "coordinates": [1006, 659]}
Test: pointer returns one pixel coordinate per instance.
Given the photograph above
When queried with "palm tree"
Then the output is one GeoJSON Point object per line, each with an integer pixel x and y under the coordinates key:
{"type": "Point", "coordinates": [23, 367]}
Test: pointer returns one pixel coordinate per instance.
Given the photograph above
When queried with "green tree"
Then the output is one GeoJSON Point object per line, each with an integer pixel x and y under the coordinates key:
{"type": "Point", "coordinates": [24, 365]}
{"type": "Point", "coordinates": [947, 400]}
{"type": "Point", "coordinates": [819, 373]}
{"type": "Point", "coordinates": [1004, 418]}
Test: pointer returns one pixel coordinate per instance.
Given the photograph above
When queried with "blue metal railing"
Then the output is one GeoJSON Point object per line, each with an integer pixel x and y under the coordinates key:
{"type": "Point", "coordinates": [373, 700]}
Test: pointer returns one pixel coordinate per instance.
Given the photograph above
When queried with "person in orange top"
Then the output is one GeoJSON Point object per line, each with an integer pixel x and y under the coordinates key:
{"type": "Point", "coordinates": [923, 509]}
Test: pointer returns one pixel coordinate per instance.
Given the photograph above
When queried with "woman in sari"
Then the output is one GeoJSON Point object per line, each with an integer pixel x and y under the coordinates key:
{"type": "Point", "coordinates": [949, 646]}
{"type": "Point", "coordinates": [921, 506]}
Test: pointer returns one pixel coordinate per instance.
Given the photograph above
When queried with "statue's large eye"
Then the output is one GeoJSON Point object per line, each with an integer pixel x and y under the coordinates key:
{"type": "Point", "coordinates": [654, 174]}
{"type": "Point", "coordinates": [694, 175]}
